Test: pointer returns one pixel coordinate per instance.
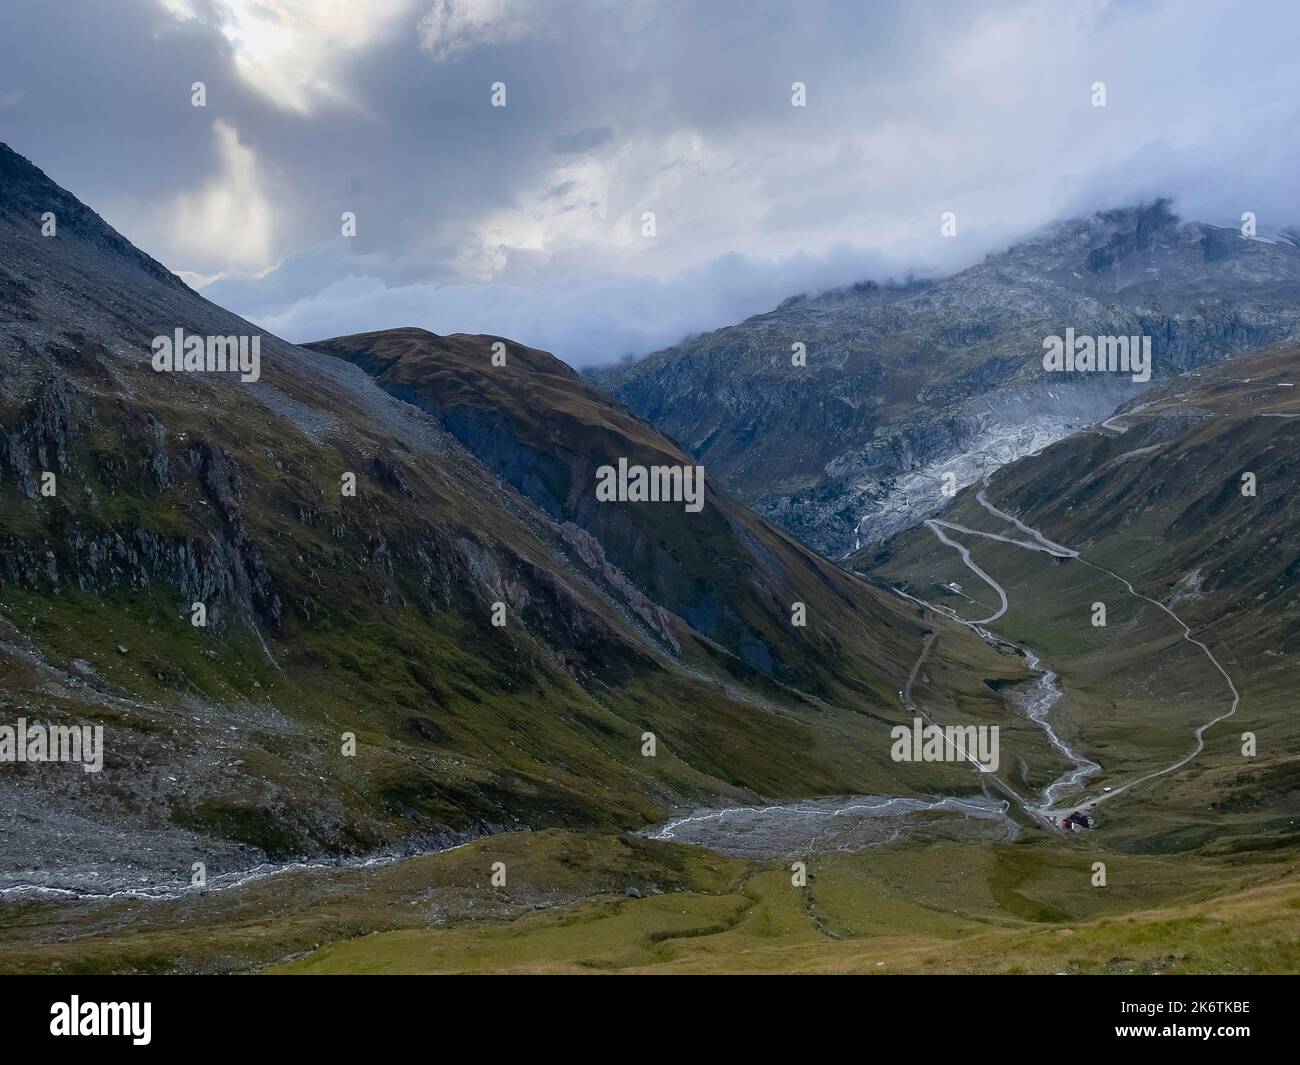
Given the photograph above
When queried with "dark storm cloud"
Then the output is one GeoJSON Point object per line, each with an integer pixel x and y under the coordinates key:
{"type": "Point", "coordinates": [527, 220]}
{"type": "Point", "coordinates": [105, 105]}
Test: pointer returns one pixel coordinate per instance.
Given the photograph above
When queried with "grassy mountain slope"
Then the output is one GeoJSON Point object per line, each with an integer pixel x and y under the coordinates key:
{"type": "Point", "coordinates": [946, 907]}
{"type": "Point", "coordinates": [1156, 497]}
{"type": "Point", "coordinates": [729, 575]}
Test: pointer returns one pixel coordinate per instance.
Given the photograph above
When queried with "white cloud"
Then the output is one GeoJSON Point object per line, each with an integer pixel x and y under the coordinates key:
{"type": "Point", "coordinates": [293, 51]}
{"type": "Point", "coordinates": [619, 107]}
{"type": "Point", "coordinates": [586, 320]}
{"type": "Point", "coordinates": [453, 26]}
{"type": "Point", "coordinates": [993, 122]}
{"type": "Point", "coordinates": [229, 221]}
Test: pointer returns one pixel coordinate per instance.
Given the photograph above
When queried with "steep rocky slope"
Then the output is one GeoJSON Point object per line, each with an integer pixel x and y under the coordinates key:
{"type": "Point", "coordinates": [906, 383]}
{"type": "Point", "coordinates": [729, 575]}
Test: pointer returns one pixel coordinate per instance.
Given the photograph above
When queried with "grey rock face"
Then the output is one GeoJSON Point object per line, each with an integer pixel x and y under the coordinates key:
{"type": "Point", "coordinates": [906, 382]}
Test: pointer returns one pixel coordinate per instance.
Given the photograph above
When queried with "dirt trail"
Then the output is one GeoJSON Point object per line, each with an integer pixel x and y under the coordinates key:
{"type": "Point", "coordinates": [1039, 542]}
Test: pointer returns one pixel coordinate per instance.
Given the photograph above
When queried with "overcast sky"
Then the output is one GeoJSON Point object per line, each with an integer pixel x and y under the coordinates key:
{"type": "Point", "coordinates": [527, 220]}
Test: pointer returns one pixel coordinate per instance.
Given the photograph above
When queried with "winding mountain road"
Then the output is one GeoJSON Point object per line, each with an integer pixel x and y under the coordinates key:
{"type": "Point", "coordinates": [1041, 543]}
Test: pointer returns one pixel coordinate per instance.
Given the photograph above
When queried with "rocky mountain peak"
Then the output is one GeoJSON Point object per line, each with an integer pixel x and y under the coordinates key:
{"type": "Point", "coordinates": [907, 383]}
{"type": "Point", "coordinates": [29, 193]}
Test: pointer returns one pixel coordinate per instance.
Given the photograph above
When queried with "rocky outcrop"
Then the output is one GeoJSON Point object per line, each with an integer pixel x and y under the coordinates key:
{"type": "Point", "coordinates": [40, 440]}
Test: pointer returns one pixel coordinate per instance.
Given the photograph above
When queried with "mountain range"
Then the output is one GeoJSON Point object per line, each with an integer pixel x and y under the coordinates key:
{"type": "Point", "coordinates": [905, 383]}
{"type": "Point", "coordinates": [496, 641]}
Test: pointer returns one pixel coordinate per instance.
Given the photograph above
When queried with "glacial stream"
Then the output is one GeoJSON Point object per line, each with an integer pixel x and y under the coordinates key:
{"type": "Point", "coordinates": [1042, 695]}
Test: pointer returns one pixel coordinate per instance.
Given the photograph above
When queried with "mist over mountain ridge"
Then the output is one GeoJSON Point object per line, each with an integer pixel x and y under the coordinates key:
{"type": "Point", "coordinates": [906, 383]}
